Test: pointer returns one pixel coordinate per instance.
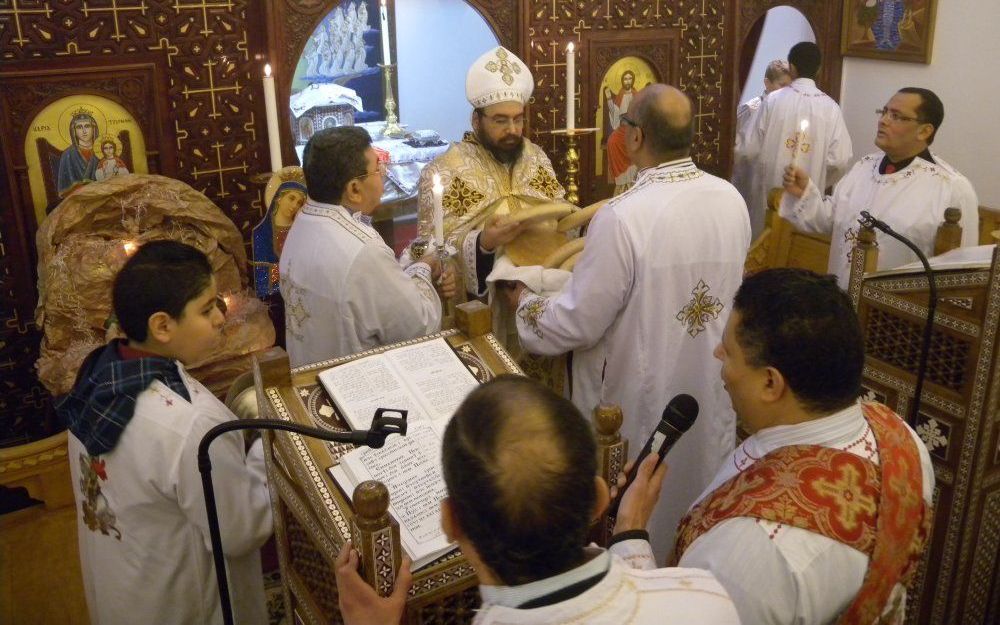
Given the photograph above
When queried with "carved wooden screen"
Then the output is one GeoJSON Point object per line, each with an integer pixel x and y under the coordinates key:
{"type": "Point", "coordinates": [208, 103]}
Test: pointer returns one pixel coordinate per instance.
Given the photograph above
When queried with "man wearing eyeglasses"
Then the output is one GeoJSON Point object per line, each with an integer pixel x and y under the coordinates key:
{"type": "Point", "coordinates": [774, 137]}
{"type": "Point", "coordinates": [343, 289]}
{"type": "Point", "coordinates": [492, 172]}
{"type": "Point", "coordinates": [903, 184]}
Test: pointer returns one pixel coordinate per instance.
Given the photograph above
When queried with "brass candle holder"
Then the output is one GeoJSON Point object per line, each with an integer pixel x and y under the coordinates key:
{"type": "Point", "coordinates": [572, 160]}
{"type": "Point", "coordinates": [392, 128]}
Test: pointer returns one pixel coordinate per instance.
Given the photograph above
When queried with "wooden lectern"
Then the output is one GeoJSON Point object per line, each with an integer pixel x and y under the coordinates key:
{"type": "Point", "coordinates": [958, 417]}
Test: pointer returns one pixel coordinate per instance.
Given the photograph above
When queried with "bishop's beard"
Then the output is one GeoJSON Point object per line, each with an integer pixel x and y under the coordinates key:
{"type": "Point", "coordinates": [506, 151]}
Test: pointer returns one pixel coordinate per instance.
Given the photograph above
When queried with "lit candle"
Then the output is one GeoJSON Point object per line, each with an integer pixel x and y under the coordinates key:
{"type": "Point", "coordinates": [438, 192]}
{"type": "Point", "coordinates": [570, 87]}
{"type": "Point", "coordinates": [383, 14]}
{"type": "Point", "coordinates": [130, 247]}
{"type": "Point", "coordinates": [271, 108]}
{"type": "Point", "coordinates": [803, 127]}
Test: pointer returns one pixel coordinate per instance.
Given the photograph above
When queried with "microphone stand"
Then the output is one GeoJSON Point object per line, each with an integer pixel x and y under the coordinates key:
{"type": "Point", "coordinates": [375, 437]}
{"type": "Point", "coordinates": [870, 222]}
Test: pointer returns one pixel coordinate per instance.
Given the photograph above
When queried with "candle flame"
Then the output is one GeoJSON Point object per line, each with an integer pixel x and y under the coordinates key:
{"type": "Point", "coordinates": [130, 247]}
{"type": "Point", "coordinates": [804, 125]}
{"type": "Point", "coordinates": [570, 47]}
{"type": "Point", "coordinates": [267, 70]}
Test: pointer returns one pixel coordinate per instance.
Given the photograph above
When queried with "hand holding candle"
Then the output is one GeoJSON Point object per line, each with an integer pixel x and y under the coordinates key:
{"type": "Point", "coordinates": [570, 87]}
{"type": "Point", "coordinates": [438, 193]}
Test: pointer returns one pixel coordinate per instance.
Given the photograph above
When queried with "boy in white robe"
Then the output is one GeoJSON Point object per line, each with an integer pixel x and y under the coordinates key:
{"type": "Point", "coordinates": [648, 299]}
{"type": "Point", "coordinates": [520, 464]}
{"type": "Point", "coordinates": [136, 418]}
{"type": "Point", "coordinates": [904, 184]}
{"type": "Point", "coordinates": [776, 139]}
{"type": "Point", "coordinates": [344, 291]}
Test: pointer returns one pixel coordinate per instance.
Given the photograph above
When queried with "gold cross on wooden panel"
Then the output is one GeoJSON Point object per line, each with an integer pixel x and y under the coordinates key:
{"type": "Point", "coordinates": [204, 6]}
{"type": "Point", "coordinates": [553, 46]}
{"type": "Point", "coordinates": [17, 12]}
{"type": "Point", "coordinates": [212, 89]}
{"type": "Point", "coordinates": [701, 56]}
{"type": "Point", "coordinates": [114, 9]}
{"type": "Point", "coordinates": [219, 170]}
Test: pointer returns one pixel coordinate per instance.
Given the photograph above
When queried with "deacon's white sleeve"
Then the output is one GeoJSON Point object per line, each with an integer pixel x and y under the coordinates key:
{"type": "Point", "coordinates": [963, 196]}
{"type": "Point", "coordinates": [580, 315]}
{"type": "Point", "coordinates": [811, 582]}
{"type": "Point", "coordinates": [240, 484]}
{"type": "Point", "coordinates": [840, 151]}
{"type": "Point", "coordinates": [812, 212]}
{"type": "Point", "coordinates": [390, 303]}
{"type": "Point", "coordinates": [750, 140]}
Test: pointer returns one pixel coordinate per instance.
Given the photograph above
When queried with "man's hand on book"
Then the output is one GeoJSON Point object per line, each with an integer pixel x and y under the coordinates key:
{"type": "Point", "coordinates": [359, 603]}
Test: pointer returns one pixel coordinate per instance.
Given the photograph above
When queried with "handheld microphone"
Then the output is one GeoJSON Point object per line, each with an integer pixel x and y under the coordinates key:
{"type": "Point", "coordinates": [677, 418]}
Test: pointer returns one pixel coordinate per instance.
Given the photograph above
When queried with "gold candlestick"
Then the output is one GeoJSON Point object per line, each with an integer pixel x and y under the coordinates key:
{"type": "Point", "coordinates": [572, 160]}
{"type": "Point", "coordinates": [392, 128]}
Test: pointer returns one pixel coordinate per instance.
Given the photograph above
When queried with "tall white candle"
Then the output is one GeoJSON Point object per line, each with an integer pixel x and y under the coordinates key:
{"type": "Point", "coordinates": [570, 87]}
{"type": "Point", "coordinates": [803, 127]}
{"type": "Point", "coordinates": [383, 14]}
{"type": "Point", "coordinates": [271, 109]}
{"type": "Point", "coordinates": [438, 192]}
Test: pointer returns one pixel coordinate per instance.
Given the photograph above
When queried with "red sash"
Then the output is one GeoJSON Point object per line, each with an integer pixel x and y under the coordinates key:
{"type": "Point", "coordinates": [877, 509]}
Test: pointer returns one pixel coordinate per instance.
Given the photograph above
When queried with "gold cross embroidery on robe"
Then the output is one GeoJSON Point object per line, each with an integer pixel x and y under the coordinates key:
{"type": "Point", "coordinates": [702, 309]}
{"type": "Point", "coordinates": [532, 311]}
{"type": "Point", "coordinates": [296, 313]}
{"type": "Point", "coordinates": [545, 183]}
{"type": "Point", "coordinates": [793, 144]}
{"type": "Point", "coordinates": [460, 198]}
{"type": "Point", "coordinates": [505, 67]}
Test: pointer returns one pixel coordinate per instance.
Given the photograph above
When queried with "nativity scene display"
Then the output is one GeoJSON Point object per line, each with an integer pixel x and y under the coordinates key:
{"type": "Point", "coordinates": [79, 140]}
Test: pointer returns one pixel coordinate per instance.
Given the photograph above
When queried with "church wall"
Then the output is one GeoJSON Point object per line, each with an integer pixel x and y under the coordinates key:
{"type": "Point", "coordinates": [963, 72]}
{"type": "Point", "coordinates": [432, 77]}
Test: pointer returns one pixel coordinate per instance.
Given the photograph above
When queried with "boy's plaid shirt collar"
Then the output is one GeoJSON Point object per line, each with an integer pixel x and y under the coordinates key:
{"type": "Point", "coordinates": [103, 398]}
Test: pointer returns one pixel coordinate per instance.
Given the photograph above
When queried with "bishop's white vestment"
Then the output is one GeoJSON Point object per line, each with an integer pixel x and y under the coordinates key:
{"type": "Point", "coordinates": [824, 150]}
{"type": "Point", "coordinates": [344, 291]}
{"type": "Point", "coordinates": [784, 575]}
{"type": "Point", "coordinates": [145, 550]}
{"type": "Point", "coordinates": [642, 314]}
{"type": "Point", "coordinates": [912, 201]}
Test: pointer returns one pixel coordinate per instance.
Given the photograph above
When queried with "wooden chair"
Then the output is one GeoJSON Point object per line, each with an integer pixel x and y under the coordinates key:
{"type": "Point", "coordinates": [781, 245]}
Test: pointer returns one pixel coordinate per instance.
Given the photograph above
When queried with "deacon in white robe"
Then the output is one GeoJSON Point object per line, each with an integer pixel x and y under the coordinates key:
{"type": "Point", "coordinates": [143, 531]}
{"type": "Point", "coordinates": [904, 184]}
{"type": "Point", "coordinates": [626, 594]}
{"type": "Point", "coordinates": [776, 138]}
{"type": "Point", "coordinates": [647, 302]}
{"type": "Point", "coordinates": [776, 76]}
{"type": "Point", "coordinates": [344, 291]}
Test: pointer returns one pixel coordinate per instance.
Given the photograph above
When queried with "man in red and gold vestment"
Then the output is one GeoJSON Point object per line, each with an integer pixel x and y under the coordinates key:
{"type": "Point", "coordinates": [821, 515]}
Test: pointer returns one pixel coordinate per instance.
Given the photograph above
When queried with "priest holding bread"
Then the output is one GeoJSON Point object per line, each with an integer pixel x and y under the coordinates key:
{"type": "Point", "coordinates": [501, 202]}
{"type": "Point", "coordinates": [648, 300]}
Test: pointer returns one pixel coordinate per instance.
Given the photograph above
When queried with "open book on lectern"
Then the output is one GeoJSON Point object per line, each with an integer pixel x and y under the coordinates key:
{"type": "Point", "coordinates": [429, 380]}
